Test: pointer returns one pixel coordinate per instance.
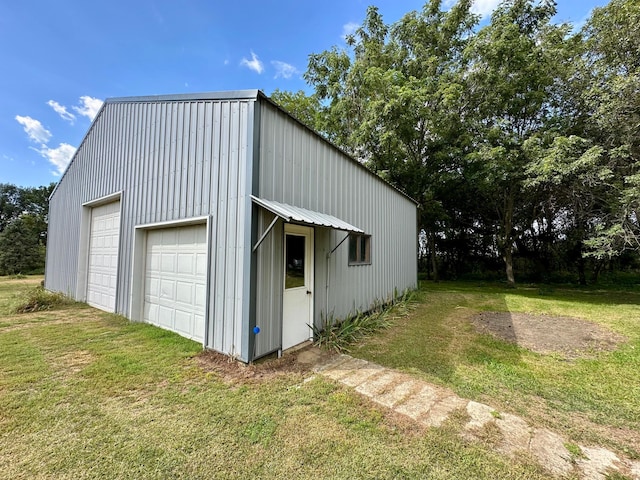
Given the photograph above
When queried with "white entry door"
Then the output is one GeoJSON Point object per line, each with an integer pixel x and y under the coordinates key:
{"type": "Point", "coordinates": [298, 285]}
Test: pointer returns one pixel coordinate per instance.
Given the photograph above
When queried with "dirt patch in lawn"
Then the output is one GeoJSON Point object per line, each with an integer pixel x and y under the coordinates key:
{"type": "Point", "coordinates": [300, 361]}
{"type": "Point", "coordinates": [73, 362]}
{"type": "Point", "coordinates": [571, 337]}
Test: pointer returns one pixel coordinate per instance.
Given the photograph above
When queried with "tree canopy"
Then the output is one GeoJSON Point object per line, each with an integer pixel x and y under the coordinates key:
{"type": "Point", "coordinates": [24, 215]}
{"type": "Point", "coordinates": [520, 139]}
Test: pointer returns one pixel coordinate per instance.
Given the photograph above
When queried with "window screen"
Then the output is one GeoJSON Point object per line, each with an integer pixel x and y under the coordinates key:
{"type": "Point", "coordinates": [359, 249]}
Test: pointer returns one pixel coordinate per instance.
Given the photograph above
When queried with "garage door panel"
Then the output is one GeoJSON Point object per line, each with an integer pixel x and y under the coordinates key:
{"type": "Point", "coordinates": [187, 263]}
{"type": "Point", "coordinates": [184, 292]}
{"type": "Point", "coordinates": [153, 261]}
{"type": "Point", "coordinates": [175, 282]}
{"type": "Point", "coordinates": [168, 237]}
{"type": "Point", "coordinates": [198, 326]}
{"type": "Point", "coordinates": [104, 238]}
{"type": "Point", "coordinates": [150, 310]}
{"type": "Point", "coordinates": [183, 322]}
{"type": "Point", "coordinates": [153, 288]}
{"type": "Point", "coordinates": [201, 264]}
{"type": "Point", "coordinates": [186, 236]}
{"type": "Point", "coordinates": [200, 296]}
{"type": "Point", "coordinates": [168, 262]}
{"type": "Point", "coordinates": [165, 317]}
{"type": "Point", "coordinates": [167, 289]}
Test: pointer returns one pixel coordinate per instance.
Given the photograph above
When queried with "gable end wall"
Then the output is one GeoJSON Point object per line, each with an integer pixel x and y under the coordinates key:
{"type": "Point", "coordinates": [171, 160]}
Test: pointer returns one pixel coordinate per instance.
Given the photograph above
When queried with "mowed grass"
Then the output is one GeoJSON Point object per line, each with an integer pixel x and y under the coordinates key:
{"type": "Point", "coordinates": [593, 400]}
{"type": "Point", "coordinates": [86, 394]}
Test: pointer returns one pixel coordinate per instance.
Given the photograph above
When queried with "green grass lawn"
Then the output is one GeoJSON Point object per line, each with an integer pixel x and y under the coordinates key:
{"type": "Point", "coordinates": [85, 394]}
{"type": "Point", "coordinates": [593, 400]}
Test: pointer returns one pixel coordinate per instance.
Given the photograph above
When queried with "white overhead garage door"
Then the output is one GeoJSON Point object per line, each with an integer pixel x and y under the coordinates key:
{"type": "Point", "coordinates": [103, 256]}
{"type": "Point", "coordinates": [175, 280]}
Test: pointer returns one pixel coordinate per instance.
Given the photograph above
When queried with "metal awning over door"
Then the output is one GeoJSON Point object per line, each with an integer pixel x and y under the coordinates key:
{"type": "Point", "coordinates": [300, 215]}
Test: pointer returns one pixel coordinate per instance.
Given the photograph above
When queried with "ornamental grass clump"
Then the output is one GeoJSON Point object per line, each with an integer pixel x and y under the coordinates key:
{"type": "Point", "coordinates": [38, 299]}
{"type": "Point", "coordinates": [341, 335]}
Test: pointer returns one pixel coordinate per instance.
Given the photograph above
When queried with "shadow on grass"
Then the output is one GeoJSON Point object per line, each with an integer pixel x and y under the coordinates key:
{"type": "Point", "coordinates": [438, 337]}
{"type": "Point", "coordinates": [594, 294]}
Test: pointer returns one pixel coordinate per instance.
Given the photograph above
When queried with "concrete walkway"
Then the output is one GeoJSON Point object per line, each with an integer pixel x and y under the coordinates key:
{"type": "Point", "coordinates": [431, 406]}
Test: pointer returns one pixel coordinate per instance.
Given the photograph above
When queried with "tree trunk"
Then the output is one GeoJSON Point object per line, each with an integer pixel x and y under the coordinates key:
{"type": "Point", "coordinates": [432, 255]}
{"type": "Point", "coordinates": [596, 271]}
{"type": "Point", "coordinates": [582, 277]}
{"type": "Point", "coordinates": [507, 245]}
{"type": "Point", "coordinates": [508, 263]}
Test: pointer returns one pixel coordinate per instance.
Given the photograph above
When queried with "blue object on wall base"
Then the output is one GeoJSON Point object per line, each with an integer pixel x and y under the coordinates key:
{"type": "Point", "coordinates": [256, 330]}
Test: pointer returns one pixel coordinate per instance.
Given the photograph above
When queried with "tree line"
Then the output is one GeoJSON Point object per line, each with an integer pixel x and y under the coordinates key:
{"type": "Point", "coordinates": [24, 213]}
{"type": "Point", "coordinates": [520, 139]}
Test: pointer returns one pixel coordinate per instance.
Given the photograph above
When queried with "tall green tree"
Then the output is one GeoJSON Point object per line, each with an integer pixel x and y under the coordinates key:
{"type": "Point", "coordinates": [20, 248]}
{"type": "Point", "coordinates": [513, 64]}
{"type": "Point", "coordinates": [574, 177]}
{"type": "Point", "coordinates": [393, 99]}
{"type": "Point", "coordinates": [612, 73]}
{"type": "Point", "coordinates": [11, 204]}
{"type": "Point", "coordinates": [18, 201]}
{"type": "Point", "coordinates": [306, 108]}
{"type": "Point", "coordinates": [24, 213]}
{"type": "Point", "coordinates": [520, 140]}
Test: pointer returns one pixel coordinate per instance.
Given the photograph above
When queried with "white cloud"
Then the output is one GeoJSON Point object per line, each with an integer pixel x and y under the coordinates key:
{"type": "Point", "coordinates": [89, 106]}
{"type": "Point", "coordinates": [62, 111]}
{"type": "Point", "coordinates": [33, 128]}
{"type": "Point", "coordinates": [284, 70]}
{"type": "Point", "coordinates": [349, 29]}
{"type": "Point", "coordinates": [254, 64]}
{"type": "Point", "coordinates": [59, 157]}
{"type": "Point", "coordinates": [484, 8]}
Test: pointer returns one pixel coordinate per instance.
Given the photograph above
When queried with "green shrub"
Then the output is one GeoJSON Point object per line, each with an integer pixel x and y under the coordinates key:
{"type": "Point", "coordinates": [38, 299]}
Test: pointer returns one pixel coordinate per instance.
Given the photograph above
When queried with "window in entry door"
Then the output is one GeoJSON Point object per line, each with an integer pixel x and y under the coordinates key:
{"type": "Point", "coordinates": [294, 275]}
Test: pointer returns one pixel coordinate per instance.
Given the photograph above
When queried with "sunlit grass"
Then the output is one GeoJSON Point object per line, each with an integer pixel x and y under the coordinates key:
{"type": "Point", "coordinates": [589, 398]}
{"type": "Point", "coordinates": [86, 394]}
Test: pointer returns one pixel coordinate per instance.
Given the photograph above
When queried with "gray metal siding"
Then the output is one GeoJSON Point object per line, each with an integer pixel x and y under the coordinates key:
{"type": "Point", "coordinates": [299, 168]}
{"type": "Point", "coordinates": [269, 285]}
{"type": "Point", "coordinates": [62, 248]}
{"type": "Point", "coordinates": [172, 160]}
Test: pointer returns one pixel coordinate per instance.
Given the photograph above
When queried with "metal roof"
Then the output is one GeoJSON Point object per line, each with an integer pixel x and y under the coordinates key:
{"type": "Point", "coordinates": [289, 213]}
{"type": "Point", "coordinates": [224, 95]}
{"type": "Point", "coordinates": [249, 94]}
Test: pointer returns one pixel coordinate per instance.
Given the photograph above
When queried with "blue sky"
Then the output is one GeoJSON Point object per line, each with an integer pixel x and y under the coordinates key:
{"type": "Point", "coordinates": [60, 59]}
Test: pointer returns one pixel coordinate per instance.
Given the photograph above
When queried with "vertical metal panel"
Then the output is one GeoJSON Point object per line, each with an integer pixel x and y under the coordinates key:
{"type": "Point", "coordinates": [299, 168]}
{"type": "Point", "coordinates": [269, 286]}
{"type": "Point", "coordinates": [172, 159]}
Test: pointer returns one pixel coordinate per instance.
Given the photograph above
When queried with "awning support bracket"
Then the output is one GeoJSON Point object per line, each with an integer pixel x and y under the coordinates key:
{"type": "Point", "coordinates": [326, 286]}
{"type": "Point", "coordinates": [336, 247]}
{"type": "Point", "coordinates": [266, 232]}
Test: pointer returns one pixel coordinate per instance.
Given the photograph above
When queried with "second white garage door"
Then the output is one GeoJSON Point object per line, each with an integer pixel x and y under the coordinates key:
{"type": "Point", "coordinates": [175, 280]}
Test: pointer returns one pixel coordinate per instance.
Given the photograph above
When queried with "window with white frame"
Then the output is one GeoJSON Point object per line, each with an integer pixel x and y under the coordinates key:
{"type": "Point", "coordinates": [359, 249]}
